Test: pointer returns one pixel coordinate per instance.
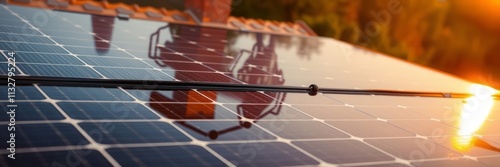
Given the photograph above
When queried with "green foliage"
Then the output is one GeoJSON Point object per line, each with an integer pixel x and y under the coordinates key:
{"type": "Point", "coordinates": [435, 33]}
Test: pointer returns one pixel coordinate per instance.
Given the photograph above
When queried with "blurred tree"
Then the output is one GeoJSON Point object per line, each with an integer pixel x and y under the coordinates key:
{"type": "Point", "coordinates": [456, 36]}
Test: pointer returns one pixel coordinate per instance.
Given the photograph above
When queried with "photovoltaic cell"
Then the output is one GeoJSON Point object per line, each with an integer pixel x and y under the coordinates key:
{"type": "Point", "coordinates": [425, 127]}
{"type": "Point", "coordinates": [302, 129]}
{"type": "Point", "coordinates": [346, 151]}
{"type": "Point", "coordinates": [34, 111]}
{"type": "Point", "coordinates": [48, 58]}
{"type": "Point", "coordinates": [23, 93]}
{"type": "Point", "coordinates": [96, 126]}
{"type": "Point", "coordinates": [201, 129]}
{"type": "Point", "coordinates": [58, 70]}
{"type": "Point", "coordinates": [133, 132]}
{"type": "Point", "coordinates": [86, 93]}
{"type": "Point", "coordinates": [187, 155]}
{"type": "Point", "coordinates": [365, 129]}
{"type": "Point", "coordinates": [138, 74]}
{"type": "Point", "coordinates": [113, 62]}
{"type": "Point", "coordinates": [413, 148]}
{"type": "Point", "coordinates": [61, 158]}
{"type": "Point", "coordinates": [45, 135]}
{"type": "Point", "coordinates": [391, 113]}
{"type": "Point", "coordinates": [253, 154]}
{"type": "Point", "coordinates": [264, 112]}
{"type": "Point", "coordinates": [334, 112]}
{"type": "Point", "coordinates": [116, 110]}
{"type": "Point", "coordinates": [11, 37]}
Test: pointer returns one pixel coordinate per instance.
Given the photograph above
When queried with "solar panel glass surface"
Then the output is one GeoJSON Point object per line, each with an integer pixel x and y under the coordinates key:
{"type": "Point", "coordinates": [96, 126]}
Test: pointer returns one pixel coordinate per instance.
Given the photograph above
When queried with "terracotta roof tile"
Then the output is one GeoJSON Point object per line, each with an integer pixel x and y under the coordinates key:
{"type": "Point", "coordinates": [122, 10]}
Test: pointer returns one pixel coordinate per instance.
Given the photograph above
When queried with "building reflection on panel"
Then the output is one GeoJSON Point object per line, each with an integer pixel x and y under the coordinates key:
{"type": "Point", "coordinates": [102, 27]}
{"type": "Point", "coordinates": [255, 65]}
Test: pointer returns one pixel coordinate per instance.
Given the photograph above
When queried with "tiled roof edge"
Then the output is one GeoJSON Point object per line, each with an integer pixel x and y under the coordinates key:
{"type": "Point", "coordinates": [125, 11]}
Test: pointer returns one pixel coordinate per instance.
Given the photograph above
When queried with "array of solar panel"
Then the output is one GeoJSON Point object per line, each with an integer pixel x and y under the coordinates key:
{"type": "Point", "coordinates": [74, 126]}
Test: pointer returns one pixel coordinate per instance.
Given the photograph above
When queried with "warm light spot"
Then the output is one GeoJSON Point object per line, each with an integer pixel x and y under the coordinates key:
{"type": "Point", "coordinates": [474, 113]}
{"type": "Point", "coordinates": [484, 13]}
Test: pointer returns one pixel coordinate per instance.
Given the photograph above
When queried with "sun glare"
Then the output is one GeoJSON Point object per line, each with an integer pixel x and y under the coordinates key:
{"type": "Point", "coordinates": [474, 113]}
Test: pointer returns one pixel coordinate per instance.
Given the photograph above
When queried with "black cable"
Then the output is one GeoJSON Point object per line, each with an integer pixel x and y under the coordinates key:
{"type": "Point", "coordinates": [212, 86]}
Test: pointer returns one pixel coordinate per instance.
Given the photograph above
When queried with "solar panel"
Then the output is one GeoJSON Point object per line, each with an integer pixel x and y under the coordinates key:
{"type": "Point", "coordinates": [123, 126]}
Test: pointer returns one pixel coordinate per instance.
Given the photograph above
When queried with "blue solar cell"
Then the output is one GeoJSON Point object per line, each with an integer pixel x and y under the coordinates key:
{"type": "Point", "coordinates": [41, 19]}
{"type": "Point", "coordinates": [302, 129]}
{"type": "Point", "coordinates": [59, 158]}
{"type": "Point", "coordinates": [133, 132]}
{"type": "Point", "coordinates": [114, 62]}
{"type": "Point", "coordinates": [73, 33]}
{"type": "Point", "coordinates": [45, 135]}
{"type": "Point", "coordinates": [139, 74]}
{"type": "Point", "coordinates": [343, 151]}
{"type": "Point", "coordinates": [8, 16]}
{"type": "Point", "coordinates": [25, 38]}
{"type": "Point", "coordinates": [27, 111]}
{"type": "Point", "coordinates": [3, 59]}
{"type": "Point", "coordinates": [58, 70]}
{"type": "Point", "coordinates": [263, 154]}
{"type": "Point", "coordinates": [94, 94]}
{"type": "Point", "coordinates": [98, 51]}
{"type": "Point", "coordinates": [186, 155]}
{"type": "Point", "coordinates": [4, 68]}
{"type": "Point", "coordinates": [23, 93]}
{"type": "Point", "coordinates": [97, 111]}
{"type": "Point", "coordinates": [74, 41]}
{"type": "Point", "coordinates": [267, 112]}
{"type": "Point", "coordinates": [359, 128]}
{"type": "Point", "coordinates": [223, 130]}
{"type": "Point", "coordinates": [48, 58]}
{"type": "Point", "coordinates": [19, 29]}
{"type": "Point", "coordinates": [32, 47]}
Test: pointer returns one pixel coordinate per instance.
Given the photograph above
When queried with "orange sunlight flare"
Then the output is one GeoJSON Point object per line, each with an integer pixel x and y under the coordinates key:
{"type": "Point", "coordinates": [474, 113]}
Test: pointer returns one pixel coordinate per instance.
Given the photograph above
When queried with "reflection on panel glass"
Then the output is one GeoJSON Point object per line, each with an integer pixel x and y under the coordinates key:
{"type": "Point", "coordinates": [189, 107]}
{"type": "Point", "coordinates": [474, 114]}
{"type": "Point", "coordinates": [102, 26]}
{"type": "Point", "coordinates": [255, 65]}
